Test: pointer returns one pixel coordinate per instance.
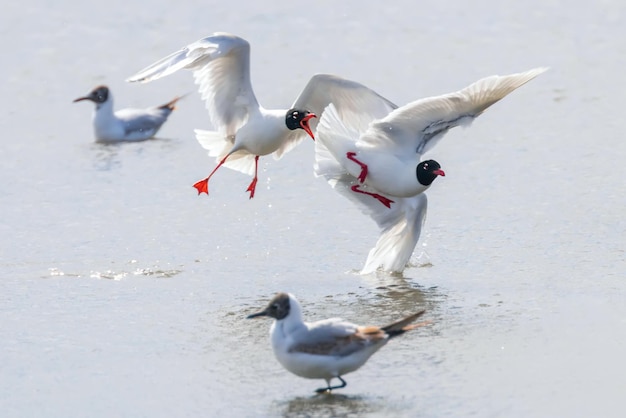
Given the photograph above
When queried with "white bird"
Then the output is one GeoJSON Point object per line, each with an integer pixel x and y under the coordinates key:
{"type": "Point", "coordinates": [125, 124]}
{"type": "Point", "coordinates": [244, 129]}
{"type": "Point", "coordinates": [325, 349]}
{"type": "Point", "coordinates": [374, 159]}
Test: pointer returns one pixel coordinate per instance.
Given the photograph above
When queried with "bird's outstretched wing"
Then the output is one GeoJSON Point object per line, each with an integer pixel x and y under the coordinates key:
{"type": "Point", "coordinates": [221, 68]}
{"type": "Point", "coordinates": [400, 226]}
{"type": "Point", "coordinates": [356, 104]}
{"type": "Point", "coordinates": [417, 126]}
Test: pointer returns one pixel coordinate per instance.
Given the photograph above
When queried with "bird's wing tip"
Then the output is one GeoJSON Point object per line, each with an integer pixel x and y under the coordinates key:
{"type": "Point", "coordinates": [134, 79]}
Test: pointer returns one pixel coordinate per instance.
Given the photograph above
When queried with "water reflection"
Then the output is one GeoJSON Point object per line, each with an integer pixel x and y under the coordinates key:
{"type": "Point", "coordinates": [106, 156]}
{"type": "Point", "coordinates": [325, 405]}
{"type": "Point", "coordinates": [394, 293]}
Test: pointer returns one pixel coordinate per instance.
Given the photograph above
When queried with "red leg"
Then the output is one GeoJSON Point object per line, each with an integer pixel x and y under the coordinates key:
{"type": "Point", "coordinates": [363, 174]}
{"type": "Point", "coordinates": [252, 187]}
{"type": "Point", "coordinates": [382, 199]}
{"type": "Point", "coordinates": [203, 185]}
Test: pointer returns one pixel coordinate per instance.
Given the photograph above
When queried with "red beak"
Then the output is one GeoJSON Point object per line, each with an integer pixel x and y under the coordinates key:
{"type": "Point", "coordinates": [82, 98]}
{"type": "Point", "coordinates": [439, 172]}
{"type": "Point", "coordinates": [304, 124]}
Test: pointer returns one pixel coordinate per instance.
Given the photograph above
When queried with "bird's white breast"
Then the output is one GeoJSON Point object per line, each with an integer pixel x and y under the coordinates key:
{"type": "Point", "coordinates": [106, 126]}
{"type": "Point", "coordinates": [315, 366]}
{"type": "Point", "coordinates": [264, 132]}
{"type": "Point", "coordinates": [387, 173]}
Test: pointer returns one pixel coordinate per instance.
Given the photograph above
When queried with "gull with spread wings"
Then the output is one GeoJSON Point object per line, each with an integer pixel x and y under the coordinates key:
{"type": "Point", "coordinates": [374, 159]}
{"type": "Point", "coordinates": [220, 64]}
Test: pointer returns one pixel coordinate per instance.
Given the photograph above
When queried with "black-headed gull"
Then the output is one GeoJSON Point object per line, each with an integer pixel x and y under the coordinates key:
{"type": "Point", "coordinates": [326, 349]}
{"type": "Point", "coordinates": [125, 124]}
{"type": "Point", "coordinates": [374, 159]}
{"type": "Point", "coordinates": [244, 129]}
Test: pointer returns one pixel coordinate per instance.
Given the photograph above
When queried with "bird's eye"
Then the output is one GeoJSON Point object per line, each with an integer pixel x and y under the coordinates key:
{"type": "Point", "coordinates": [274, 307]}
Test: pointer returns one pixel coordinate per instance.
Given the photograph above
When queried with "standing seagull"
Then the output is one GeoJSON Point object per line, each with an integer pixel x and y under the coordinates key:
{"type": "Point", "coordinates": [328, 348]}
{"type": "Point", "coordinates": [245, 130]}
{"type": "Point", "coordinates": [375, 161]}
{"type": "Point", "coordinates": [125, 124]}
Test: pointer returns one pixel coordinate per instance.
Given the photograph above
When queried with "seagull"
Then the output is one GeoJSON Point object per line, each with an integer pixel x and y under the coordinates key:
{"type": "Point", "coordinates": [221, 67]}
{"type": "Point", "coordinates": [374, 159]}
{"type": "Point", "coordinates": [325, 349]}
{"type": "Point", "coordinates": [125, 124]}
{"type": "Point", "coordinates": [220, 64]}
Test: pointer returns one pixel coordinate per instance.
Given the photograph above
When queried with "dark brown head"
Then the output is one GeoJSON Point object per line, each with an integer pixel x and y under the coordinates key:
{"type": "Point", "coordinates": [427, 171]}
{"type": "Point", "coordinates": [299, 119]}
{"type": "Point", "coordinates": [98, 95]}
{"type": "Point", "coordinates": [278, 308]}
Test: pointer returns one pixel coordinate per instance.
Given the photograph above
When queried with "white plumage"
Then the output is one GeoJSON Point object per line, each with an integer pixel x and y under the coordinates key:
{"type": "Point", "coordinates": [325, 349]}
{"type": "Point", "coordinates": [379, 156]}
{"type": "Point", "coordinates": [125, 124]}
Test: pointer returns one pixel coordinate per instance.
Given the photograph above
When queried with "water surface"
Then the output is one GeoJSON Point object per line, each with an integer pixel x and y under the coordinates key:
{"type": "Point", "coordinates": [125, 294]}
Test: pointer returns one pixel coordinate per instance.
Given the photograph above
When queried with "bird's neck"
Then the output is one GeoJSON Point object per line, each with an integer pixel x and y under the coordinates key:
{"type": "Point", "coordinates": [274, 116]}
{"type": "Point", "coordinates": [104, 110]}
{"type": "Point", "coordinates": [282, 328]}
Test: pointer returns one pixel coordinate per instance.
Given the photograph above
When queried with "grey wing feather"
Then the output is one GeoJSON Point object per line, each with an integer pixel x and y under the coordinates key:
{"type": "Point", "coordinates": [324, 337]}
{"type": "Point", "coordinates": [417, 126]}
{"type": "Point", "coordinates": [355, 103]}
{"type": "Point", "coordinates": [135, 120]}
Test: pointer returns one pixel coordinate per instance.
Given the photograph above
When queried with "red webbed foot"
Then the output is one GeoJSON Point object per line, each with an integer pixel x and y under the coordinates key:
{"type": "Point", "coordinates": [252, 187]}
{"type": "Point", "coordinates": [202, 186]}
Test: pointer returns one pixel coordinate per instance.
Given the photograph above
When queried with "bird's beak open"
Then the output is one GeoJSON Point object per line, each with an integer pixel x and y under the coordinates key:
{"type": "Point", "coordinates": [256, 315]}
{"type": "Point", "coordinates": [304, 124]}
{"type": "Point", "coordinates": [439, 172]}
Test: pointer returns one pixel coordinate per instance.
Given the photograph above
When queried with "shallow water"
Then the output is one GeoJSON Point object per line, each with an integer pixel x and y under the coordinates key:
{"type": "Point", "coordinates": [125, 294]}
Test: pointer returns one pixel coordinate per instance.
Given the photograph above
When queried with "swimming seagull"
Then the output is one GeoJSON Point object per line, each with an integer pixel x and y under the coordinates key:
{"type": "Point", "coordinates": [325, 349]}
{"type": "Point", "coordinates": [244, 129]}
{"type": "Point", "coordinates": [374, 159]}
{"type": "Point", "coordinates": [125, 124]}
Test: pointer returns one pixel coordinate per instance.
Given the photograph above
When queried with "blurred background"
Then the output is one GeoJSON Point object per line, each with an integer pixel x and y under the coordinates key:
{"type": "Point", "coordinates": [124, 293]}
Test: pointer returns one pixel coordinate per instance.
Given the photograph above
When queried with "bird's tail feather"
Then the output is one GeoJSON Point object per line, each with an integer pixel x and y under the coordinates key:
{"type": "Point", "coordinates": [219, 145]}
{"type": "Point", "coordinates": [404, 325]}
{"type": "Point", "coordinates": [171, 105]}
{"type": "Point", "coordinates": [401, 227]}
